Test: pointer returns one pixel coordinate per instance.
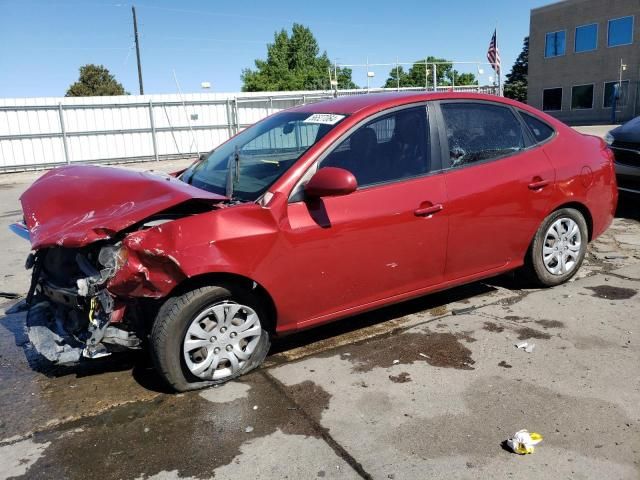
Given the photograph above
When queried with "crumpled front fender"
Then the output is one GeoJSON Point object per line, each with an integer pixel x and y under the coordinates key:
{"type": "Point", "coordinates": [233, 240]}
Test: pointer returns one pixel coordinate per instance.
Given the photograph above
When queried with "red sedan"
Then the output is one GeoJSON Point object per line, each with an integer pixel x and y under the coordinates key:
{"type": "Point", "coordinates": [311, 215]}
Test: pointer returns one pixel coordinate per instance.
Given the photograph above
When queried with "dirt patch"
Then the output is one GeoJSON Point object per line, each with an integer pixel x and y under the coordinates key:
{"type": "Point", "coordinates": [466, 336]}
{"type": "Point", "coordinates": [513, 318]}
{"type": "Point", "coordinates": [403, 377]}
{"type": "Point", "coordinates": [438, 311]}
{"type": "Point", "coordinates": [437, 349]}
{"type": "Point", "coordinates": [525, 332]}
{"type": "Point", "coordinates": [612, 293]}
{"type": "Point", "coordinates": [504, 364]}
{"type": "Point", "coordinates": [550, 324]}
{"type": "Point", "coordinates": [310, 396]}
{"type": "Point", "coordinates": [493, 327]}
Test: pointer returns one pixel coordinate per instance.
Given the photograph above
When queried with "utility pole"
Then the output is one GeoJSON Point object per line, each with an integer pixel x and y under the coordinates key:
{"type": "Point", "coordinates": [135, 33]}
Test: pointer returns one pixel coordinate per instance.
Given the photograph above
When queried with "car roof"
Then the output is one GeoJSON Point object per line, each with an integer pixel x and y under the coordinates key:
{"type": "Point", "coordinates": [351, 104]}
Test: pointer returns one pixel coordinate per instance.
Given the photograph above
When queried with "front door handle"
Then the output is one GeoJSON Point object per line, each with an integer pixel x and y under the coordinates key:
{"type": "Point", "coordinates": [425, 211]}
{"type": "Point", "coordinates": [539, 184]}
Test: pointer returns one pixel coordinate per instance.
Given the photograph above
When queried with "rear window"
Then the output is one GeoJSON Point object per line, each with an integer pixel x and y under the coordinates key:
{"type": "Point", "coordinates": [540, 130]}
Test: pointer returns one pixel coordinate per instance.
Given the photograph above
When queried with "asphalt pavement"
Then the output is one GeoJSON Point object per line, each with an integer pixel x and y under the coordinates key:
{"type": "Point", "coordinates": [429, 388]}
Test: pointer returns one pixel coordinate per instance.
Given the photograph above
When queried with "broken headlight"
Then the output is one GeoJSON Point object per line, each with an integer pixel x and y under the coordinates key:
{"type": "Point", "coordinates": [112, 257]}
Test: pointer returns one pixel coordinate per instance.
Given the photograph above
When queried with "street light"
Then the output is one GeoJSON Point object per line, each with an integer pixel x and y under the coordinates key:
{"type": "Point", "coordinates": [370, 75]}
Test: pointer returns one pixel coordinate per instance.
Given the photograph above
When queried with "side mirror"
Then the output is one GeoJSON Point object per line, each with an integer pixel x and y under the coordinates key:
{"type": "Point", "coordinates": [331, 182]}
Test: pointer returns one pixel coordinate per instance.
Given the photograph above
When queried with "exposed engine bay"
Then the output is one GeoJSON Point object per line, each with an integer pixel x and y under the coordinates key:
{"type": "Point", "coordinates": [71, 312]}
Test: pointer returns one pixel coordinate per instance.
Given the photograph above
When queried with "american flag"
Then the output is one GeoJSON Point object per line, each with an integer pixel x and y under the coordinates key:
{"type": "Point", "coordinates": [493, 55]}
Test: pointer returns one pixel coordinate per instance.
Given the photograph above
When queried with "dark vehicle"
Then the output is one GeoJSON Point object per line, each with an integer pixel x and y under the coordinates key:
{"type": "Point", "coordinates": [625, 143]}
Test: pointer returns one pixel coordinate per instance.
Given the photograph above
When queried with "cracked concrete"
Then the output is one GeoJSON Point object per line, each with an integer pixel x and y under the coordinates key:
{"type": "Point", "coordinates": [429, 388]}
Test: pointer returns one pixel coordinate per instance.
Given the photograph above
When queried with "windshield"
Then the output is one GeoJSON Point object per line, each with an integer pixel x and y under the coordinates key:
{"type": "Point", "coordinates": [255, 158]}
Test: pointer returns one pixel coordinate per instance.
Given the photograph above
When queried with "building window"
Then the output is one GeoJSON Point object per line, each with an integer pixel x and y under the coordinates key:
{"type": "Point", "coordinates": [620, 32]}
{"type": "Point", "coordinates": [623, 94]}
{"type": "Point", "coordinates": [555, 44]}
{"type": "Point", "coordinates": [552, 99]}
{"type": "Point", "coordinates": [586, 38]}
{"type": "Point", "coordinates": [582, 97]}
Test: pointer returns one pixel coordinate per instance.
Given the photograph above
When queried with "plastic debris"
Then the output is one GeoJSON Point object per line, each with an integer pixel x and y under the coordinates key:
{"type": "Point", "coordinates": [255, 407]}
{"type": "Point", "coordinates": [248, 429]}
{"type": "Point", "coordinates": [423, 355]}
{"type": "Point", "coordinates": [395, 362]}
{"type": "Point", "coordinates": [524, 442]}
{"type": "Point", "coordinates": [526, 346]}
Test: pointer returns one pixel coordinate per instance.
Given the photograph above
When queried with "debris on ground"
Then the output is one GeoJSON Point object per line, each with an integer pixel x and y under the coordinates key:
{"type": "Point", "coordinates": [9, 295]}
{"type": "Point", "coordinates": [21, 306]}
{"type": "Point", "coordinates": [248, 430]}
{"type": "Point", "coordinates": [524, 442]}
{"type": "Point", "coordinates": [462, 311]}
{"type": "Point", "coordinates": [526, 346]}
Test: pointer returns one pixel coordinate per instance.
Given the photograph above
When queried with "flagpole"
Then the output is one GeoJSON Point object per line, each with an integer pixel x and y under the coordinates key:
{"type": "Point", "coordinates": [500, 93]}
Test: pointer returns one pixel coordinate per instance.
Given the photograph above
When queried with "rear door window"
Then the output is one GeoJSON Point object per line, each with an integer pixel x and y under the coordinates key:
{"type": "Point", "coordinates": [478, 132]}
{"type": "Point", "coordinates": [540, 130]}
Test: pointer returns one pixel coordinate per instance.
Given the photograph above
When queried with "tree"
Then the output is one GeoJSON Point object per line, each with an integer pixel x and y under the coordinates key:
{"type": "Point", "coordinates": [515, 86]}
{"type": "Point", "coordinates": [293, 62]}
{"type": "Point", "coordinates": [94, 81]}
{"type": "Point", "coordinates": [415, 77]}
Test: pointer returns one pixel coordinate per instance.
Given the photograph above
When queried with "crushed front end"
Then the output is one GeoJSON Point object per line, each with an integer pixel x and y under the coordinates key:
{"type": "Point", "coordinates": [95, 274]}
{"type": "Point", "coordinates": [71, 312]}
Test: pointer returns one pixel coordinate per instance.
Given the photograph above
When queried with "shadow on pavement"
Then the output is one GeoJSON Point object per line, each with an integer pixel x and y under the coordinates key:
{"type": "Point", "coordinates": [628, 206]}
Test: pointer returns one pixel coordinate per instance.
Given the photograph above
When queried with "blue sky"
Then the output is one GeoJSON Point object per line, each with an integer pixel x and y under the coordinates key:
{"type": "Point", "coordinates": [44, 42]}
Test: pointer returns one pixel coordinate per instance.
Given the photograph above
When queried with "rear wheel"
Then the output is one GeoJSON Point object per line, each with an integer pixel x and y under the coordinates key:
{"type": "Point", "coordinates": [558, 248]}
{"type": "Point", "coordinates": [208, 336]}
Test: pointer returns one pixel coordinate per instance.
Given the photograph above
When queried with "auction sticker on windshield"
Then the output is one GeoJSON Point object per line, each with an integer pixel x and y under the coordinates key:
{"type": "Point", "coordinates": [324, 118]}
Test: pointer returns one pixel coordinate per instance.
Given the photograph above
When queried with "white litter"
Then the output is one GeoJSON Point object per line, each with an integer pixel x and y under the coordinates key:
{"type": "Point", "coordinates": [248, 429]}
{"type": "Point", "coordinates": [528, 347]}
{"type": "Point", "coordinates": [395, 362]}
{"type": "Point", "coordinates": [524, 442]}
{"type": "Point", "coordinates": [255, 407]}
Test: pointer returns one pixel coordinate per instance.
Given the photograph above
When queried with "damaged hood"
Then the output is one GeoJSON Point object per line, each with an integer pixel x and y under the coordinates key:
{"type": "Point", "coordinates": [77, 205]}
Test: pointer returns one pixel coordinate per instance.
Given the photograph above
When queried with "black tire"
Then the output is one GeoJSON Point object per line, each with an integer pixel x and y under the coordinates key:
{"type": "Point", "coordinates": [172, 322]}
{"type": "Point", "coordinates": [535, 269]}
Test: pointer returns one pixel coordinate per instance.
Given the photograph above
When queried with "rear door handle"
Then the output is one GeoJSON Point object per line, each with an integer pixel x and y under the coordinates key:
{"type": "Point", "coordinates": [539, 184]}
{"type": "Point", "coordinates": [424, 211]}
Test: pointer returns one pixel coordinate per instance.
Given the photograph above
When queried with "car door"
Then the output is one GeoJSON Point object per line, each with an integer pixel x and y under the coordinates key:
{"type": "Point", "coordinates": [386, 238]}
{"type": "Point", "coordinates": [499, 186]}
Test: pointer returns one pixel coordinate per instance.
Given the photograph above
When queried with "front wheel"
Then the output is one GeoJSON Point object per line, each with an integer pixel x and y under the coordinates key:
{"type": "Point", "coordinates": [208, 336]}
{"type": "Point", "coordinates": [558, 248]}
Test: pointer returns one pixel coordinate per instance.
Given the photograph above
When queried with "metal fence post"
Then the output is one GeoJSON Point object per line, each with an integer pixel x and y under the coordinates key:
{"type": "Point", "coordinates": [229, 119]}
{"type": "Point", "coordinates": [64, 134]}
{"type": "Point", "coordinates": [153, 131]}
{"type": "Point", "coordinates": [235, 108]}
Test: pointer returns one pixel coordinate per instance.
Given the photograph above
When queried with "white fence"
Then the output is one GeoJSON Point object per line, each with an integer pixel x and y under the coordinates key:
{"type": "Point", "coordinates": [45, 132]}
